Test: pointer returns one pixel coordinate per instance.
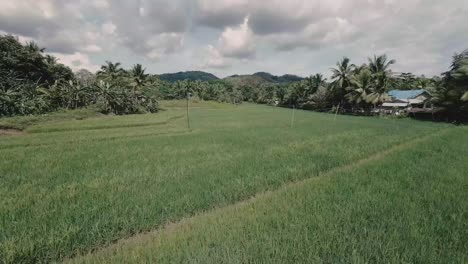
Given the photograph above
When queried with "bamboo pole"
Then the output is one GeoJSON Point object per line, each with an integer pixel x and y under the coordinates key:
{"type": "Point", "coordinates": [292, 117]}
{"type": "Point", "coordinates": [336, 113]}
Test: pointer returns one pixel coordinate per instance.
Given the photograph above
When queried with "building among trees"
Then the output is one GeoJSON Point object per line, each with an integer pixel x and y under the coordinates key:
{"type": "Point", "coordinates": [403, 101]}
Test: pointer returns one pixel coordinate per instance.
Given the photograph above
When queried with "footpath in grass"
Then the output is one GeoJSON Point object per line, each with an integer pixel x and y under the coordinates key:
{"type": "Point", "coordinates": [67, 190]}
{"type": "Point", "coordinates": [408, 206]}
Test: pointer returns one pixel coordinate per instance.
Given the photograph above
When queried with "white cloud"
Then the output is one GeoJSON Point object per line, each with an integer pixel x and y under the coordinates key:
{"type": "Point", "coordinates": [142, 11]}
{"type": "Point", "coordinates": [237, 41]}
{"type": "Point", "coordinates": [169, 30]}
{"type": "Point", "coordinates": [215, 59]}
{"type": "Point", "coordinates": [164, 43]}
{"type": "Point", "coordinates": [219, 14]}
{"type": "Point", "coordinates": [76, 61]}
{"type": "Point", "coordinates": [108, 28]}
{"type": "Point", "coordinates": [100, 3]}
{"type": "Point", "coordinates": [92, 48]}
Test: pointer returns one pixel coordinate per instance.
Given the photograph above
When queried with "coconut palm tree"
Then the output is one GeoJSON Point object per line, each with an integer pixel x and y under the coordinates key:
{"type": "Point", "coordinates": [423, 82]}
{"type": "Point", "coordinates": [360, 88]}
{"type": "Point", "coordinates": [139, 77]}
{"type": "Point", "coordinates": [315, 82]}
{"type": "Point", "coordinates": [111, 70]}
{"type": "Point", "coordinates": [33, 47]}
{"type": "Point", "coordinates": [341, 79]}
{"type": "Point", "coordinates": [342, 73]}
{"type": "Point", "coordinates": [456, 83]}
{"type": "Point", "coordinates": [378, 90]}
{"type": "Point", "coordinates": [50, 60]}
{"type": "Point", "coordinates": [379, 66]}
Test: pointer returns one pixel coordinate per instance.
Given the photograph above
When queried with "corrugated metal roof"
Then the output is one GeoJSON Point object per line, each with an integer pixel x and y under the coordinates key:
{"type": "Point", "coordinates": [395, 104]}
{"type": "Point", "coordinates": [404, 95]}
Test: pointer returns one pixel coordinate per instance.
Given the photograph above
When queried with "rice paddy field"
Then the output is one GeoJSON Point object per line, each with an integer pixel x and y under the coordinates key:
{"type": "Point", "coordinates": [245, 184]}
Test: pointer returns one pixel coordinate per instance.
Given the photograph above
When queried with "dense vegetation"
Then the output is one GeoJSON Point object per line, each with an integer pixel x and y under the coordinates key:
{"type": "Point", "coordinates": [262, 77]}
{"type": "Point", "coordinates": [83, 184]}
{"type": "Point", "coordinates": [35, 83]}
{"type": "Point", "coordinates": [189, 75]}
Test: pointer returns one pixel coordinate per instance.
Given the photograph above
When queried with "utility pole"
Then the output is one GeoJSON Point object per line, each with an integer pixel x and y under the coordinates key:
{"type": "Point", "coordinates": [292, 117]}
{"type": "Point", "coordinates": [337, 109]}
{"type": "Point", "coordinates": [188, 95]}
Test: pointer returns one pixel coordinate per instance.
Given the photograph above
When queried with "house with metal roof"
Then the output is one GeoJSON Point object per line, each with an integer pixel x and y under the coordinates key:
{"type": "Point", "coordinates": [405, 100]}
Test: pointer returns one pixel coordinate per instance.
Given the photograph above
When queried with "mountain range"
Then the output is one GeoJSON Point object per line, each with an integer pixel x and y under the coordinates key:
{"type": "Point", "coordinates": [246, 79]}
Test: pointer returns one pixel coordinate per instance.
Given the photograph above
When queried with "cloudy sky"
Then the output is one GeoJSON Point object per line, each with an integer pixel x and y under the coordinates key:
{"type": "Point", "coordinates": [242, 36]}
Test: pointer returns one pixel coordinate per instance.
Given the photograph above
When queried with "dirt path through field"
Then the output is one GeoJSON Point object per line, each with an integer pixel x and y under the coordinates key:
{"type": "Point", "coordinates": [10, 132]}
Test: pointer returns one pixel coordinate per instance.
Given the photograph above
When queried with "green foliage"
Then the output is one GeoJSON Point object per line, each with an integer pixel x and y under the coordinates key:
{"type": "Point", "coordinates": [25, 70]}
{"type": "Point", "coordinates": [213, 90]}
{"type": "Point", "coordinates": [35, 83]}
{"type": "Point", "coordinates": [454, 88]}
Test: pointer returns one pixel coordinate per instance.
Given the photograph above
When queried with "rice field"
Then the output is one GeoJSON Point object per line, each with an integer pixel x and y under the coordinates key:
{"type": "Point", "coordinates": [244, 184]}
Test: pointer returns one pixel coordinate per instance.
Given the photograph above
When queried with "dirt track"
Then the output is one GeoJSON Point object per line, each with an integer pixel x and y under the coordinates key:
{"type": "Point", "coordinates": [10, 132]}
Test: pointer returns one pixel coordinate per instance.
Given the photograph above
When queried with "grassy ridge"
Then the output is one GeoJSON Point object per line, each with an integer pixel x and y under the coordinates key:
{"type": "Point", "coordinates": [23, 122]}
{"type": "Point", "coordinates": [409, 206]}
{"type": "Point", "coordinates": [69, 191]}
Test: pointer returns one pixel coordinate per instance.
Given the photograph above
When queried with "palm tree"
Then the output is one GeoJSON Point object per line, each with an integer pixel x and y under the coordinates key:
{"type": "Point", "coordinates": [341, 77]}
{"type": "Point", "coordinates": [456, 82]}
{"type": "Point", "coordinates": [139, 76]}
{"type": "Point", "coordinates": [50, 60]}
{"type": "Point", "coordinates": [315, 82]}
{"type": "Point", "coordinates": [459, 72]}
{"type": "Point", "coordinates": [342, 73]}
{"type": "Point", "coordinates": [33, 47]}
{"type": "Point", "coordinates": [378, 90]}
{"type": "Point", "coordinates": [379, 67]}
{"type": "Point", "coordinates": [380, 64]}
{"type": "Point", "coordinates": [361, 85]}
{"type": "Point", "coordinates": [359, 69]}
{"type": "Point", "coordinates": [423, 82]}
{"type": "Point", "coordinates": [111, 70]}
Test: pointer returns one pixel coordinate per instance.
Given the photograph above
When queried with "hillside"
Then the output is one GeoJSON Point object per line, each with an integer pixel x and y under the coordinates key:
{"type": "Point", "coordinates": [188, 75]}
{"type": "Point", "coordinates": [261, 77]}
{"type": "Point", "coordinates": [248, 79]}
{"type": "Point", "coordinates": [287, 78]}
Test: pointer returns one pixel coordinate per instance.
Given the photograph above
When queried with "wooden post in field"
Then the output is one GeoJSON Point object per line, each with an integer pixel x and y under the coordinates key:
{"type": "Point", "coordinates": [336, 113]}
{"type": "Point", "coordinates": [292, 117]}
{"type": "Point", "coordinates": [188, 95]}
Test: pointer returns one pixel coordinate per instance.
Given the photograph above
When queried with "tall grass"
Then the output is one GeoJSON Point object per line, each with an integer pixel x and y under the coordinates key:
{"type": "Point", "coordinates": [408, 206]}
{"type": "Point", "coordinates": [69, 187]}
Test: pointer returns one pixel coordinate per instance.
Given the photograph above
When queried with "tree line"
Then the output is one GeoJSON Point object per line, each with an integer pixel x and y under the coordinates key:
{"type": "Point", "coordinates": [360, 88]}
{"type": "Point", "coordinates": [34, 83]}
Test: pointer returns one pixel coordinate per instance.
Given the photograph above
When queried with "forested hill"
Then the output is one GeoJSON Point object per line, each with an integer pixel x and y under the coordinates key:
{"type": "Point", "coordinates": [287, 78]}
{"type": "Point", "coordinates": [251, 79]}
{"type": "Point", "coordinates": [261, 77]}
{"type": "Point", "coordinates": [188, 75]}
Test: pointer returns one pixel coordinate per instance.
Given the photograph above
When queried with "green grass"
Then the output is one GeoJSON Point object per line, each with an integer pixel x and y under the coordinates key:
{"type": "Point", "coordinates": [73, 186]}
{"type": "Point", "coordinates": [408, 206]}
